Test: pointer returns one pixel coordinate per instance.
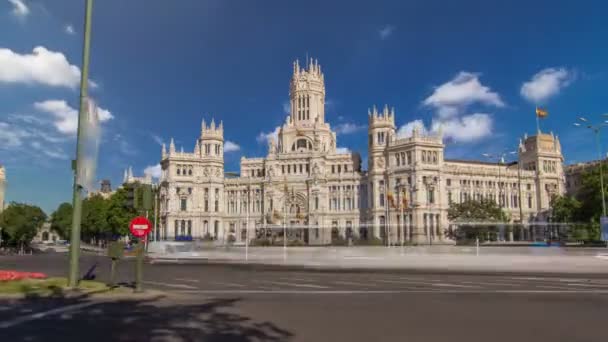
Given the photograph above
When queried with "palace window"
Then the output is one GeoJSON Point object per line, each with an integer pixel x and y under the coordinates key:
{"type": "Point", "coordinates": [190, 172]}
{"type": "Point", "coordinates": [183, 204]}
{"type": "Point", "coordinates": [409, 157]}
{"type": "Point", "coordinates": [179, 171]}
{"type": "Point", "coordinates": [317, 203]}
{"type": "Point", "coordinates": [529, 202]}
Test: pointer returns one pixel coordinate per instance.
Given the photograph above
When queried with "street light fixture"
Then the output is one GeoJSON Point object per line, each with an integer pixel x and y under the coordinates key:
{"type": "Point", "coordinates": [596, 130]}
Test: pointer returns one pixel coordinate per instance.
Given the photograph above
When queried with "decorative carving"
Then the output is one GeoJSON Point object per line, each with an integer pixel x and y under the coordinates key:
{"type": "Point", "coordinates": [206, 172]}
{"type": "Point", "coordinates": [219, 172]}
{"type": "Point", "coordinates": [380, 162]}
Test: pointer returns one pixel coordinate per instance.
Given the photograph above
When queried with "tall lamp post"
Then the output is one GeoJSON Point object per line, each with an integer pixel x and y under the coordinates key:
{"type": "Point", "coordinates": [596, 128]}
{"type": "Point", "coordinates": [74, 268]}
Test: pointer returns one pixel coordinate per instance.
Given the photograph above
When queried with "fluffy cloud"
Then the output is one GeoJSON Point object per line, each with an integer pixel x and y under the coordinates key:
{"type": "Point", "coordinates": [69, 29]}
{"type": "Point", "coordinates": [464, 129]}
{"type": "Point", "coordinates": [66, 117]}
{"type": "Point", "coordinates": [263, 138]}
{"type": "Point", "coordinates": [467, 128]}
{"type": "Point", "coordinates": [463, 90]}
{"type": "Point", "coordinates": [386, 32]}
{"type": "Point", "coordinates": [451, 101]}
{"type": "Point", "coordinates": [545, 84]}
{"type": "Point", "coordinates": [153, 170]}
{"type": "Point", "coordinates": [286, 107]}
{"type": "Point", "coordinates": [406, 130]}
{"type": "Point", "coordinates": [230, 146]}
{"type": "Point", "coordinates": [342, 150]}
{"type": "Point", "coordinates": [20, 9]}
{"type": "Point", "coordinates": [28, 139]}
{"type": "Point", "coordinates": [348, 128]}
{"type": "Point", "coordinates": [42, 66]}
{"type": "Point", "coordinates": [11, 136]}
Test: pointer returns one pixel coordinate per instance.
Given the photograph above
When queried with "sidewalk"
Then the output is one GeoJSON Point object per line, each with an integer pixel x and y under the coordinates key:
{"type": "Point", "coordinates": [436, 258]}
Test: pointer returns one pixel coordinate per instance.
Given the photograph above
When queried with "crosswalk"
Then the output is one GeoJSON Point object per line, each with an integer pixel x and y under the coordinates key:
{"type": "Point", "coordinates": [383, 283]}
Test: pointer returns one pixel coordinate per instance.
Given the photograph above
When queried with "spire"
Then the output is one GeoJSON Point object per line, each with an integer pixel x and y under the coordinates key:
{"type": "Point", "coordinates": [171, 147]}
{"type": "Point", "coordinates": [181, 149]}
{"type": "Point", "coordinates": [196, 147]}
{"type": "Point", "coordinates": [203, 126]}
{"type": "Point", "coordinates": [212, 126]}
{"type": "Point", "coordinates": [124, 177]}
{"type": "Point", "coordinates": [221, 126]}
{"type": "Point", "coordinates": [130, 173]}
{"type": "Point", "coordinates": [163, 151]}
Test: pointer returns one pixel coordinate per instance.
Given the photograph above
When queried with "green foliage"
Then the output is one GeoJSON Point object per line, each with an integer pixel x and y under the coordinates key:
{"type": "Point", "coordinates": [20, 223]}
{"type": "Point", "coordinates": [472, 210]}
{"type": "Point", "coordinates": [590, 194]}
{"type": "Point", "coordinates": [94, 217]}
{"type": "Point", "coordinates": [61, 220]}
{"type": "Point", "coordinates": [565, 209]}
{"type": "Point", "coordinates": [120, 213]}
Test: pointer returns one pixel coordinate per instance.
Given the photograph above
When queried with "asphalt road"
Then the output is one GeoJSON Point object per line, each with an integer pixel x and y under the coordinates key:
{"type": "Point", "coordinates": [226, 303]}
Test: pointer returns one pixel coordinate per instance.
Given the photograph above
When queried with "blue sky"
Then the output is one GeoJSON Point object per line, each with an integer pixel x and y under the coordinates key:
{"type": "Point", "coordinates": [475, 68]}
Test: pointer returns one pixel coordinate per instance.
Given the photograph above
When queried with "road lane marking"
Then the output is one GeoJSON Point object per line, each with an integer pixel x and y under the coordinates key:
{"type": "Point", "coordinates": [299, 279]}
{"type": "Point", "coordinates": [228, 284]}
{"type": "Point", "coordinates": [453, 285]}
{"type": "Point", "coordinates": [294, 284]}
{"type": "Point", "coordinates": [38, 315]}
{"type": "Point", "coordinates": [421, 291]}
{"type": "Point", "coordinates": [492, 283]}
{"type": "Point", "coordinates": [188, 280]}
{"type": "Point", "coordinates": [177, 286]}
{"type": "Point", "coordinates": [340, 282]}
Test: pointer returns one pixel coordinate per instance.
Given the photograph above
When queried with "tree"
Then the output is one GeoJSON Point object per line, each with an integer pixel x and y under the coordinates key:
{"type": "Point", "coordinates": [61, 220]}
{"type": "Point", "coordinates": [478, 211]}
{"type": "Point", "coordinates": [565, 209]}
{"type": "Point", "coordinates": [95, 218]}
{"type": "Point", "coordinates": [120, 213]}
{"type": "Point", "coordinates": [20, 223]}
{"type": "Point", "coordinates": [473, 211]}
{"type": "Point", "coordinates": [590, 194]}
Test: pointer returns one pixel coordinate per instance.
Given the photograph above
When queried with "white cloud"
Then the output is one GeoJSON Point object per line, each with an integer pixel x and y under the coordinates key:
{"type": "Point", "coordinates": [42, 66]}
{"type": "Point", "coordinates": [546, 84]}
{"type": "Point", "coordinates": [386, 32]}
{"type": "Point", "coordinates": [69, 29]}
{"type": "Point", "coordinates": [263, 138]}
{"type": "Point", "coordinates": [157, 139]}
{"type": "Point", "coordinates": [66, 117]}
{"type": "Point", "coordinates": [342, 150]}
{"type": "Point", "coordinates": [52, 152]}
{"type": "Point", "coordinates": [230, 146]}
{"type": "Point", "coordinates": [286, 107]}
{"type": "Point", "coordinates": [463, 90]}
{"type": "Point", "coordinates": [153, 171]}
{"type": "Point", "coordinates": [20, 9]}
{"type": "Point", "coordinates": [11, 136]}
{"type": "Point", "coordinates": [405, 131]}
{"type": "Point", "coordinates": [451, 102]}
{"type": "Point", "coordinates": [467, 128]}
{"type": "Point", "coordinates": [348, 128]}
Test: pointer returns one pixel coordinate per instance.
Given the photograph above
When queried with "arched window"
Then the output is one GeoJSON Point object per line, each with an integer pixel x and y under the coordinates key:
{"type": "Point", "coordinates": [190, 172]}
{"type": "Point", "coordinates": [302, 143]}
{"type": "Point", "coordinates": [179, 171]}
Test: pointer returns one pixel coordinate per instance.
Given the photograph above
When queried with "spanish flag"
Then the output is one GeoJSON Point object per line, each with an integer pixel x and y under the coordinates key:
{"type": "Point", "coordinates": [391, 199]}
{"type": "Point", "coordinates": [541, 113]}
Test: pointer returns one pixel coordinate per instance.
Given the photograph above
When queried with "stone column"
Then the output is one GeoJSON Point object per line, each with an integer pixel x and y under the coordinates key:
{"type": "Point", "coordinates": [439, 228]}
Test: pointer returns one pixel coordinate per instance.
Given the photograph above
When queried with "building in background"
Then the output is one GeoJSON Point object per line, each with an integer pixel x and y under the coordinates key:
{"type": "Point", "coordinates": [321, 193]}
{"type": "Point", "coordinates": [2, 187]}
{"type": "Point", "coordinates": [574, 175]}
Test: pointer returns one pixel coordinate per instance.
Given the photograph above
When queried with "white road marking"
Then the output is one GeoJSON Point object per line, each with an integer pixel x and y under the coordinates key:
{"type": "Point", "coordinates": [491, 284]}
{"type": "Point", "coordinates": [188, 280]}
{"type": "Point", "coordinates": [177, 286]}
{"type": "Point", "coordinates": [436, 291]}
{"type": "Point", "coordinates": [228, 284]}
{"type": "Point", "coordinates": [403, 282]}
{"type": "Point", "coordinates": [340, 282]}
{"type": "Point", "coordinates": [552, 287]}
{"type": "Point", "coordinates": [299, 279]}
{"type": "Point", "coordinates": [294, 284]}
{"type": "Point", "coordinates": [587, 285]}
{"type": "Point", "coordinates": [38, 315]}
{"type": "Point", "coordinates": [453, 285]}
{"type": "Point", "coordinates": [602, 256]}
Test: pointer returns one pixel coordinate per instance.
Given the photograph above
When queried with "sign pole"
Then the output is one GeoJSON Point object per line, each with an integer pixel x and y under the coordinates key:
{"type": "Point", "coordinates": [74, 268]}
{"type": "Point", "coordinates": [140, 227]}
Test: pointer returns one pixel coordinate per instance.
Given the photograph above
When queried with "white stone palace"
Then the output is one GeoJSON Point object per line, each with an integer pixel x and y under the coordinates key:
{"type": "Point", "coordinates": [323, 195]}
{"type": "Point", "coordinates": [2, 187]}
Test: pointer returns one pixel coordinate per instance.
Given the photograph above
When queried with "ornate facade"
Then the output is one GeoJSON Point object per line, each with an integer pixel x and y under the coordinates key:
{"type": "Point", "coordinates": [321, 194]}
{"type": "Point", "coordinates": [2, 187]}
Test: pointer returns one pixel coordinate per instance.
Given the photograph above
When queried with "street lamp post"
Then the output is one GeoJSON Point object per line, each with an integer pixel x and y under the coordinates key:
{"type": "Point", "coordinates": [596, 131]}
{"type": "Point", "coordinates": [74, 268]}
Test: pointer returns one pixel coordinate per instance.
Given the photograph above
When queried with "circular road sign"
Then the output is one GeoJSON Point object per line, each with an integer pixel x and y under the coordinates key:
{"type": "Point", "coordinates": [140, 226]}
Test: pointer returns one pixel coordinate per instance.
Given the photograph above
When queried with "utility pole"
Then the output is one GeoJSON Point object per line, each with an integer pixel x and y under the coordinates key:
{"type": "Point", "coordinates": [74, 274]}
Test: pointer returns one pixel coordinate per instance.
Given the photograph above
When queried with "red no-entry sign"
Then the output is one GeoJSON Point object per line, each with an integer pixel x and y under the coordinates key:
{"type": "Point", "coordinates": [140, 226]}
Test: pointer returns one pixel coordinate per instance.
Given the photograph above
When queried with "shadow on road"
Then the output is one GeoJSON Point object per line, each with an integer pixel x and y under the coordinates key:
{"type": "Point", "coordinates": [134, 320]}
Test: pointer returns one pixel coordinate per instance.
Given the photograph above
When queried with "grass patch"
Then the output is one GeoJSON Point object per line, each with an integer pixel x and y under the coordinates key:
{"type": "Point", "coordinates": [47, 287]}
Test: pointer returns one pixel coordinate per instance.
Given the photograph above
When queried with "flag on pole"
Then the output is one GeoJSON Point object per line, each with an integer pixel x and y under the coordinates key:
{"type": "Point", "coordinates": [391, 199]}
{"type": "Point", "coordinates": [541, 113]}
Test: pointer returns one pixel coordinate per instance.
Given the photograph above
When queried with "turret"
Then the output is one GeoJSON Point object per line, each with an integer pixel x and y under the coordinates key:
{"type": "Point", "coordinates": [381, 129]}
{"type": "Point", "coordinates": [307, 94]}
{"type": "Point", "coordinates": [163, 152]}
{"type": "Point", "coordinates": [211, 141]}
